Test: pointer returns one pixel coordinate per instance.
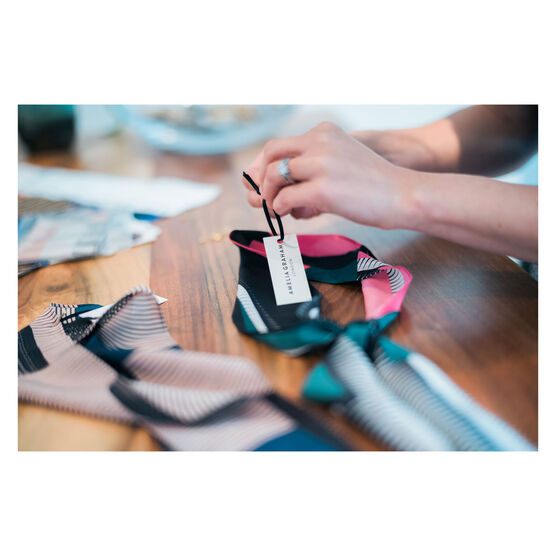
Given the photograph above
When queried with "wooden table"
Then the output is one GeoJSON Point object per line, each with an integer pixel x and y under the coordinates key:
{"type": "Point", "coordinates": [471, 312]}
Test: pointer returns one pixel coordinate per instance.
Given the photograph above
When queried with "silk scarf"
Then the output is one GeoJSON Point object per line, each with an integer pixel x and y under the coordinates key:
{"type": "Point", "coordinates": [120, 363]}
{"type": "Point", "coordinates": [396, 395]}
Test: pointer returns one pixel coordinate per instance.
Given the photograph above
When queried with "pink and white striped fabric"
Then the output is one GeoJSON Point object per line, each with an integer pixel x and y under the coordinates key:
{"type": "Point", "coordinates": [125, 366]}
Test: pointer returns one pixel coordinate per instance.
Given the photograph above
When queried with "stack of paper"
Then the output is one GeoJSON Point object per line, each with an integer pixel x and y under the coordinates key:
{"type": "Point", "coordinates": [54, 237]}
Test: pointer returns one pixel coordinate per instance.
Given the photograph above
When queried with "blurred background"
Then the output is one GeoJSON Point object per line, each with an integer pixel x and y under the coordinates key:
{"type": "Point", "coordinates": [86, 172]}
{"type": "Point", "coordinates": [212, 130]}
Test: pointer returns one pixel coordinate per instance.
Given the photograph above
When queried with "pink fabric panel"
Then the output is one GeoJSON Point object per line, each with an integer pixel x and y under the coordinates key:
{"type": "Point", "coordinates": [257, 247]}
{"type": "Point", "coordinates": [378, 296]}
{"type": "Point", "coordinates": [326, 245]}
{"type": "Point", "coordinates": [312, 245]}
{"type": "Point", "coordinates": [377, 292]}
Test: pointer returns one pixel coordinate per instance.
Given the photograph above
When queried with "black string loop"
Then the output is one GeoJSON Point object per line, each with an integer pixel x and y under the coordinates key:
{"type": "Point", "coordinates": [265, 208]}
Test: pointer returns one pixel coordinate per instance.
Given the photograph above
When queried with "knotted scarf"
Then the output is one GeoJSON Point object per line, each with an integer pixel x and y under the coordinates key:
{"type": "Point", "coordinates": [398, 396]}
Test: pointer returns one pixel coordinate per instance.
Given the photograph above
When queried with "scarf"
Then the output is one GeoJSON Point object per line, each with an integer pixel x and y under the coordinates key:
{"type": "Point", "coordinates": [119, 363]}
{"type": "Point", "coordinates": [395, 395]}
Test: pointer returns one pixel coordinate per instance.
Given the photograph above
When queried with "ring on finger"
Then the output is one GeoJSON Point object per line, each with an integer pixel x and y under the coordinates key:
{"type": "Point", "coordinates": [284, 170]}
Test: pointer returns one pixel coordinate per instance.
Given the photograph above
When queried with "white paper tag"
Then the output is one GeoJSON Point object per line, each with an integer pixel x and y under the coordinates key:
{"type": "Point", "coordinates": [286, 270]}
{"type": "Point", "coordinates": [99, 311]}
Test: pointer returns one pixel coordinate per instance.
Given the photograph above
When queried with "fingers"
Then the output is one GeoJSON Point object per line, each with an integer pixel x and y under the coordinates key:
{"type": "Point", "coordinates": [304, 212]}
{"type": "Point", "coordinates": [254, 170]}
{"type": "Point", "coordinates": [300, 171]}
{"type": "Point", "coordinates": [296, 197]}
{"type": "Point", "coordinates": [275, 149]}
{"type": "Point", "coordinates": [266, 164]}
{"type": "Point", "coordinates": [256, 201]}
{"type": "Point", "coordinates": [253, 199]}
{"type": "Point", "coordinates": [288, 147]}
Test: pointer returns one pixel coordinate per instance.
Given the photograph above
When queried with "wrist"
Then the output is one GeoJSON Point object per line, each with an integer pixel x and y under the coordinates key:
{"type": "Point", "coordinates": [409, 198]}
{"type": "Point", "coordinates": [414, 148]}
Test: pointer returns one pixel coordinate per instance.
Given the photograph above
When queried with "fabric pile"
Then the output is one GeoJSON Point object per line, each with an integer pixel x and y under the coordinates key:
{"type": "Point", "coordinates": [77, 233]}
{"type": "Point", "coordinates": [120, 363]}
{"type": "Point", "coordinates": [395, 395]}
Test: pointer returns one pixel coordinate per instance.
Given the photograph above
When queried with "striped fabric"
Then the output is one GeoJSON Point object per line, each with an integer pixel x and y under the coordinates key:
{"type": "Point", "coordinates": [368, 267]}
{"type": "Point", "coordinates": [34, 205]}
{"type": "Point", "coordinates": [395, 395]}
{"type": "Point", "coordinates": [120, 363]}
{"type": "Point", "coordinates": [406, 401]}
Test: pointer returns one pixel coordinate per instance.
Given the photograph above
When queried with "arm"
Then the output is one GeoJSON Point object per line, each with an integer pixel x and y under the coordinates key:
{"type": "Point", "coordinates": [337, 174]}
{"type": "Point", "coordinates": [475, 211]}
{"type": "Point", "coordinates": [487, 140]}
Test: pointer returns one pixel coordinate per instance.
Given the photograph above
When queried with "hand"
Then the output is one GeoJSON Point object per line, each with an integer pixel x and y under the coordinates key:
{"type": "Point", "coordinates": [336, 174]}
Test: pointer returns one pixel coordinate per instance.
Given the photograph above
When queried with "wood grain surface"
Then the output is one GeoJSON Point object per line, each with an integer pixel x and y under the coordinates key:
{"type": "Point", "coordinates": [471, 312]}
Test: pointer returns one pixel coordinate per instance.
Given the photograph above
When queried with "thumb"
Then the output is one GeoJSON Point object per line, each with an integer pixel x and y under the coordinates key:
{"type": "Point", "coordinates": [293, 197]}
{"type": "Point", "coordinates": [301, 213]}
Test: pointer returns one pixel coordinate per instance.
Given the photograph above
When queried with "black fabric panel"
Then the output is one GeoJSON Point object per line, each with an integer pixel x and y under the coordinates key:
{"type": "Point", "coordinates": [138, 405]}
{"type": "Point", "coordinates": [237, 317]}
{"type": "Point", "coordinates": [331, 261]}
{"type": "Point", "coordinates": [76, 328]}
{"type": "Point", "coordinates": [29, 357]}
{"type": "Point", "coordinates": [254, 276]}
{"type": "Point", "coordinates": [307, 422]}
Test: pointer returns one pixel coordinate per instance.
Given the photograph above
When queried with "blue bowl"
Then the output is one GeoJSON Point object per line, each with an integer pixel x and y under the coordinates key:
{"type": "Point", "coordinates": [199, 132]}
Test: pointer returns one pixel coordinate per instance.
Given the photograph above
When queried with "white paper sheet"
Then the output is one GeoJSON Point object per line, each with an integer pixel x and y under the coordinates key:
{"type": "Point", "coordinates": [161, 196]}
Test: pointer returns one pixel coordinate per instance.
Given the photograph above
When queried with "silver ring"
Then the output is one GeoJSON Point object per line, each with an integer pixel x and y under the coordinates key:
{"type": "Point", "coordinates": [284, 171]}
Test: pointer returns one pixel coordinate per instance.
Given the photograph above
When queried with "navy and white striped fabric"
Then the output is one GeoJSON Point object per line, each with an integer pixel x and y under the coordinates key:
{"type": "Point", "coordinates": [405, 400]}
{"type": "Point", "coordinates": [120, 363]}
{"type": "Point", "coordinates": [368, 266]}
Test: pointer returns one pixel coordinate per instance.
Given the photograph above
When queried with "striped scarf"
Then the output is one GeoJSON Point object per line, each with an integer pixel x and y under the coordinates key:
{"type": "Point", "coordinates": [395, 395]}
{"type": "Point", "coordinates": [120, 363]}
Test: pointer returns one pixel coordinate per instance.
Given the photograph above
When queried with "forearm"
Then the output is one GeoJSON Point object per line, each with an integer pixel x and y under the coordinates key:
{"type": "Point", "coordinates": [494, 140]}
{"type": "Point", "coordinates": [485, 140]}
{"type": "Point", "coordinates": [434, 147]}
{"type": "Point", "coordinates": [334, 173]}
{"type": "Point", "coordinates": [475, 211]}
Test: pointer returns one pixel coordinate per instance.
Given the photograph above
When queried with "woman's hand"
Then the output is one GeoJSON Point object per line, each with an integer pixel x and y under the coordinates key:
{"type": "Point", "coordinates": [334, 173]}
{"type": "Point", "coordinates": [338, 174]}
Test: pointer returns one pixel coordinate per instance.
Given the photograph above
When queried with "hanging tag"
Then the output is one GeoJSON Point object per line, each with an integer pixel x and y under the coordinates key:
{"type": "Point", "coordinates": [286, 270]}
